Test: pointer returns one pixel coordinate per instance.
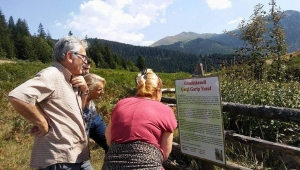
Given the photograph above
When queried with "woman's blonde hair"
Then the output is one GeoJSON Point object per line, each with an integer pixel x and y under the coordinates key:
{"type": "Point", "coordinates": [147, 84]}
{"type": "Point", "coordinates": [92, 80]}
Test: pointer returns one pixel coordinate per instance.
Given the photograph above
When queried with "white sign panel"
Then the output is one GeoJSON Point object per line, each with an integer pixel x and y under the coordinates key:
{"type": "Point", "coordinates": [200, 118]}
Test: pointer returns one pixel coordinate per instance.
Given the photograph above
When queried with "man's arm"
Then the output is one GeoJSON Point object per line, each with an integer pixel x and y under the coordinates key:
{"type": "Point", "coordinates": [31, 113]}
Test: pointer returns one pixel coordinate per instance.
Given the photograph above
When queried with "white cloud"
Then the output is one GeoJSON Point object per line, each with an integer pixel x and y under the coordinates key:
{"type": "Point", "coordinates": [235, 21]}
{"type": "Point", "coordinates": [58, 24]}
{"type": "Point", "coordinates": [218, 4]}
{"type": "Point", "coordinates": [117, 20]}
{"type": "Point", "coordinates": [163, 20]}
{"type": "Point", "coordinates": [147, 43]}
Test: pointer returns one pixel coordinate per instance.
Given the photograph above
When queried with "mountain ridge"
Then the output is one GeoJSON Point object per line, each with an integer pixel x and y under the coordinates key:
{"type": "Point", "coordinates": [183, 36]}
{"type": "Point", "coordinates": [290, 23]}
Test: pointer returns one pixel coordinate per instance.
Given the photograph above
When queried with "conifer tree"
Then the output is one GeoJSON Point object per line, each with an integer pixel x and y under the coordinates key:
{"type": "Point", "coordinates": [43, 51]}
{"type": "Point", "coordinates": [22, 28]}
{"type": "Point", "coordinates": [6, 44]}
{"type": "Point", "coordinates": [11, 25]}
{"type": "Point", "coordinates": [41, 31]}
{"type": "Point", "coordinates": [24, 48]}
{"type": "Point", "coordinates": [124, 63]}
{"type": "Point", "coordinates": [22, 41]}
{"type": "Point", "coordinates": [49, 40]}
{"type": "Point", "coordinates": [108, 57]}
{"type": "Point", "coordinates": [95, 53]}
{"type": "Point", "coordinates": [11, 31]}
{"type": "Point", "coordinates": [3, 34]}
{"type": "Point", "coordinates": [141, 63]}
{"type": "Point", "coordinates": [131, 66]}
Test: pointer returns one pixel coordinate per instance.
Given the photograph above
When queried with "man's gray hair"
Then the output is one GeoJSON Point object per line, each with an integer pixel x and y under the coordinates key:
{"type": "Point", "coordinates": [66, 44]}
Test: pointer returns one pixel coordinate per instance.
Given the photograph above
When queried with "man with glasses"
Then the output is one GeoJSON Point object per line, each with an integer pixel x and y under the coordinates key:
{"type": "Point", "coordinates": [52, 102]}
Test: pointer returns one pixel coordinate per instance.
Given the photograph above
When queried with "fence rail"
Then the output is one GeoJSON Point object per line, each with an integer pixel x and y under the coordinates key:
{"type": "Point", "coordinates": [262, 112]}
{"type": "Point", "coordinates": [175, 166]}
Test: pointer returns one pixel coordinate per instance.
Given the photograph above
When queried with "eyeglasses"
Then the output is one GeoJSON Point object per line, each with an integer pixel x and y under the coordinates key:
{"type": "Point", "coordinates": [84, 58]}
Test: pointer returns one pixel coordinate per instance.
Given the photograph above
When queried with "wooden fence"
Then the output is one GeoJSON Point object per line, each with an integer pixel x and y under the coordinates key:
{"type": "Point", "coordinates": [262, 112]}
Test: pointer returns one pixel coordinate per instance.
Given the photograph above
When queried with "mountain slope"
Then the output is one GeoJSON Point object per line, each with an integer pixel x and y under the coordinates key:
{"type": "Point", "coordinates": [199, 46]}
{"type": "Point", "coordinates": [291, 26]}
{"type": "Point", "coordinates": [290, 23]}
{"type": "Point", "coordinates": [184, 36]}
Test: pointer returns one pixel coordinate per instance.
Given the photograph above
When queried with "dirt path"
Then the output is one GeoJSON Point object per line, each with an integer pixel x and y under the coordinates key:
{"type": "Point", "coordinates": [6, 61]}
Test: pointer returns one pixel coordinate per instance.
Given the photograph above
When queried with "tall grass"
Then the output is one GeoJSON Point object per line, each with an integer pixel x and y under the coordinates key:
{"type": "Point", "coordinates": [265, 91]}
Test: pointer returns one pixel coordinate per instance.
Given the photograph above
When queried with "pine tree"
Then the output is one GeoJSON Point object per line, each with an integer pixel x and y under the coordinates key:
{"type": "Point", "coordinates": [141, 63]}
{"type": "Point", "coordinates": [24, 48]}
{"type": "Point", "coordinates": [6, 44]}
{"type": "Point", "coordinates": [108, 57]}
{"type": "Point", "coordinates": [41, 31]}
{"type": "Point", "coordinates": [123, 63]}
{"type": "Point", "coordinates": [49, 40]}
{"type": "Point", "coordinates": [11, 25]}
{"type": "Point", "coordinates": [95, 53]}
{"type": "Point", "coordinates": [43, 51]}
{"type": "Point", "coordinates": [3, 34]}
{"type": "Point", "coordinates": [22, 41]}
{"type": "Point", "coordinates": [48, 36]}
{"type": "Point", "coordinates": [22, 28]}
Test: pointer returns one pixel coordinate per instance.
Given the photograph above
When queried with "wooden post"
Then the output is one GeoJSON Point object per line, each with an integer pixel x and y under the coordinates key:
{"type": "Point", "coordinates": [198, 70]}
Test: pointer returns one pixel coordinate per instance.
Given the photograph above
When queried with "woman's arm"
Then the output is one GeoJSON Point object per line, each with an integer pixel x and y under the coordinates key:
{"type": "Point", "coordinates": [166, 144]}
{"type": "Point", "coordinates": [108, 133]}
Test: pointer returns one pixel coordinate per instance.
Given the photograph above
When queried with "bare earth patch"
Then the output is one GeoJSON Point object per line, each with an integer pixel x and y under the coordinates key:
{"type": "Point", "coordinates": [6, 61]}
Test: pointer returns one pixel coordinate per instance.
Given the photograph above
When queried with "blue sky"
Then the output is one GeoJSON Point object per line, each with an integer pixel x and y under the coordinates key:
{"type": "Point", "coordinates": [136, 22]}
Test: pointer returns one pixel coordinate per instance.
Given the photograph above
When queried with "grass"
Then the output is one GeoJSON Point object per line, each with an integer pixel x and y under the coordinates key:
{"type": "Point", "coordinates": [238, 89]}
{"type": "Point", "coordinates": [15, 141]}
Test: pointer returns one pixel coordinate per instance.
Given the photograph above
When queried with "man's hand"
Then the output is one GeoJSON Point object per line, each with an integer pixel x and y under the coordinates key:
{"type": "Point", "coordinates": [79, 82]}
{"type": "Point", "coordinates": [36, 131]}
{"type": "Point", "coordinates": [31, 113]}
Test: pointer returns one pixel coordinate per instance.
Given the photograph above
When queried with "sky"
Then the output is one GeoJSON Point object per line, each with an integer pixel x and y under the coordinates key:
{"type": "Point", "coordinates": [135, 22]}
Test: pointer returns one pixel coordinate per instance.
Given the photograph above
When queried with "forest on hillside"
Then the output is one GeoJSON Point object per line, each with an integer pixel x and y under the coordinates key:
{"type": "Point", "coordinates": [16, 43]}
